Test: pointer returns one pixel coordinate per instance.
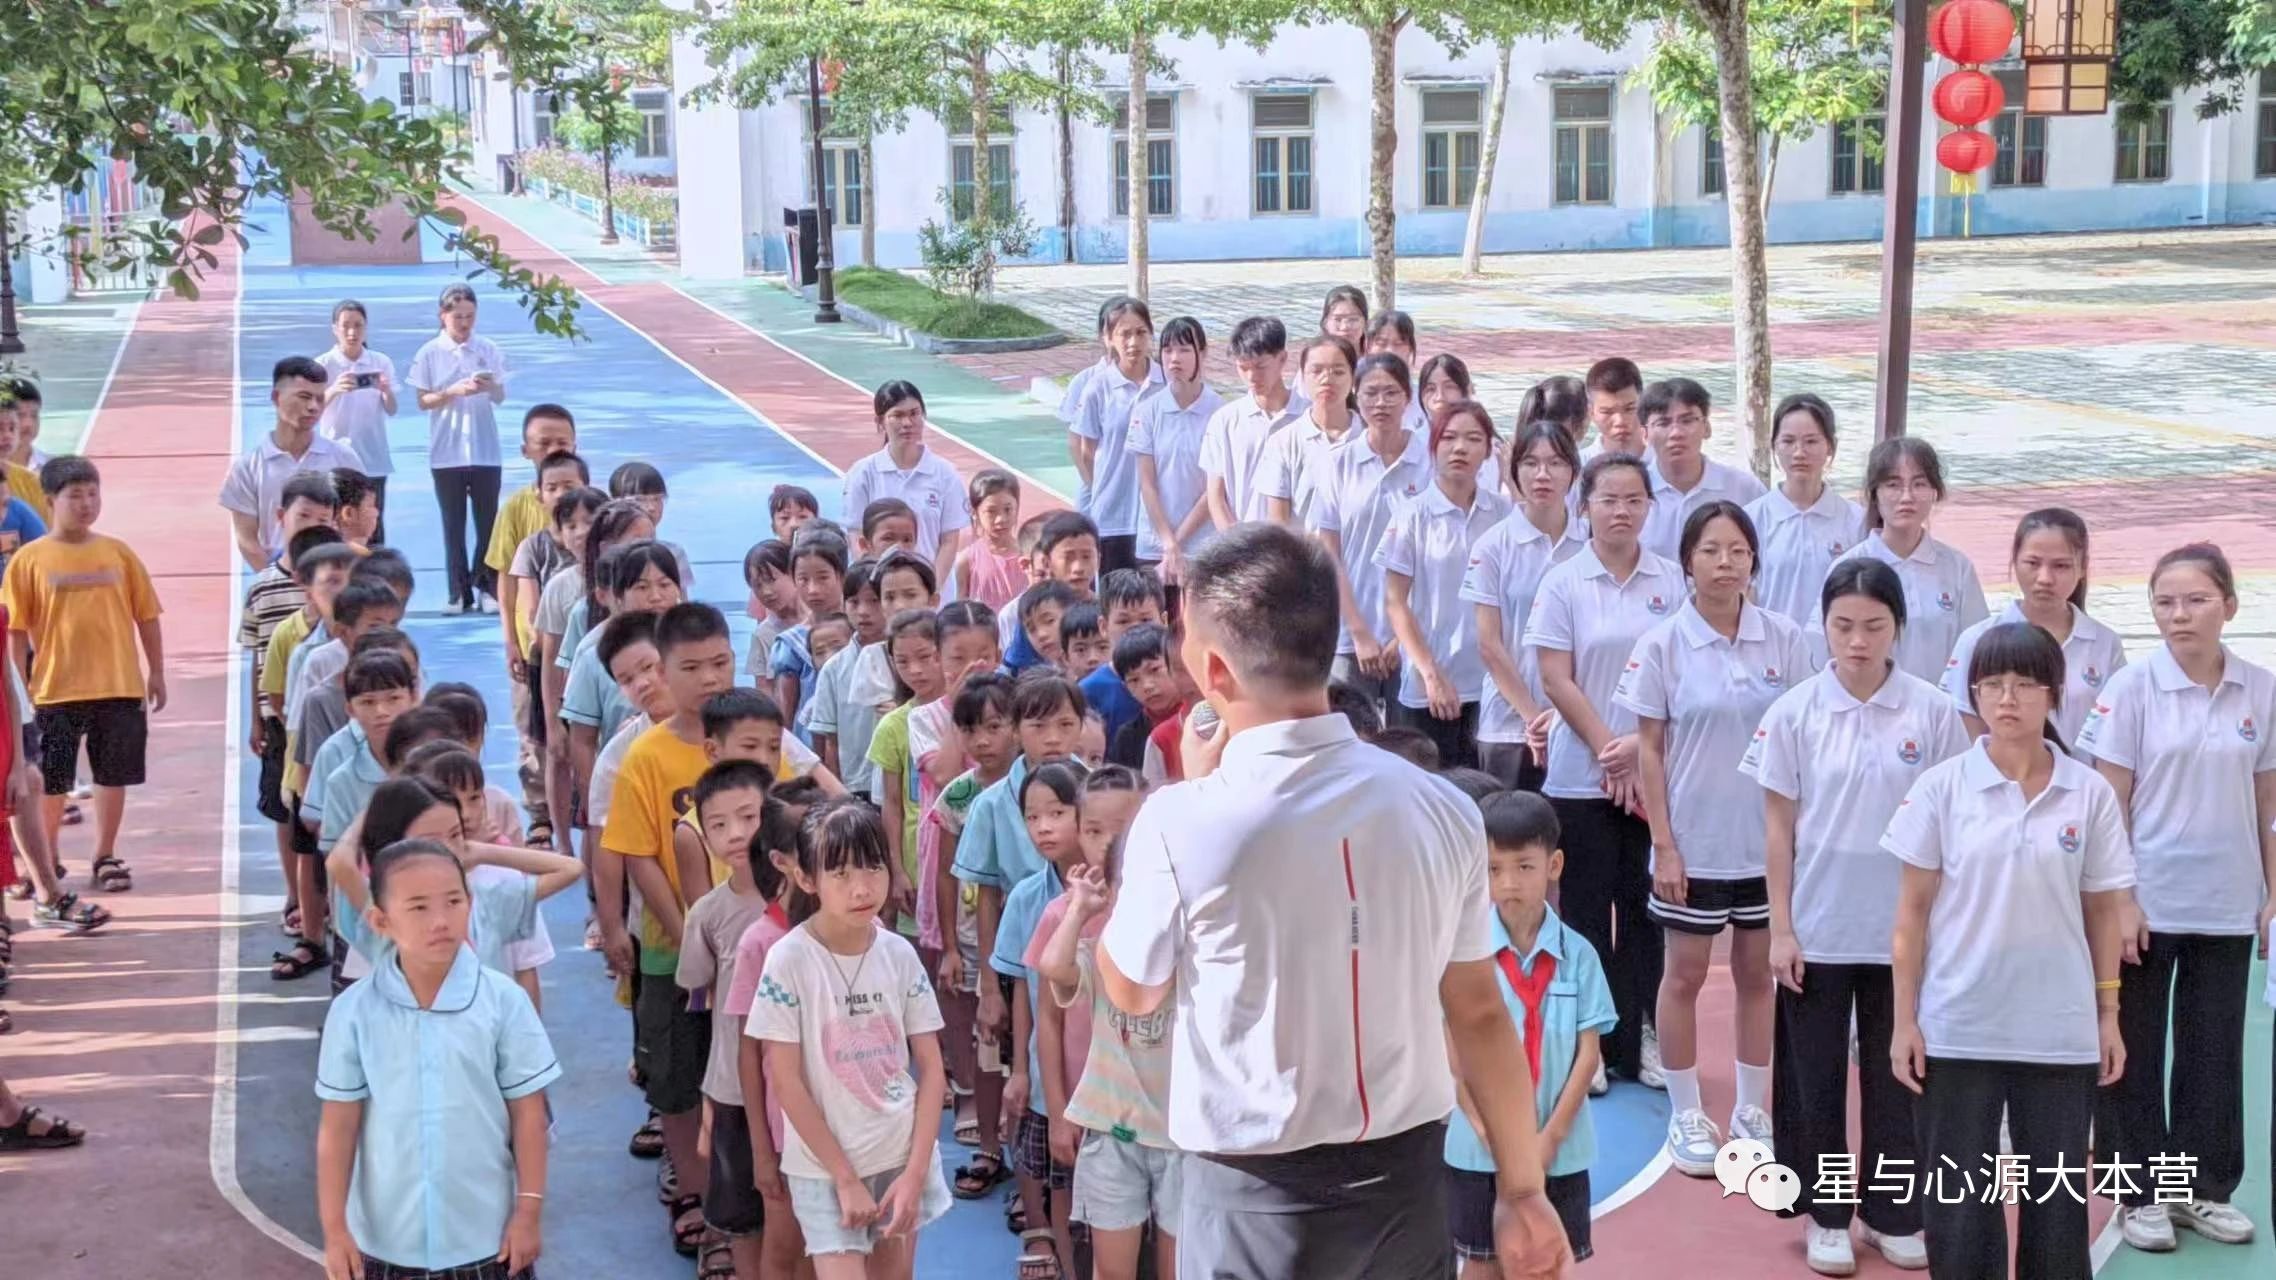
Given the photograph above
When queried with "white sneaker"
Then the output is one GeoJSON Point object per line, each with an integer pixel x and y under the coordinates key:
{"type": "Point", "coordinates": [1602, 1084]}
{"type": "Point", "coordinates": [1750, 1121]}
{"type": "Point", "coordinates": [1692, 1142]}
{"type": "Point", "coordinates": [487, 603]}
{"type": "Point", "coordinates": [2221, 1223]}
{"type": "Point", "coordinates": [452, 608]}
{"type": "Point", "coordinates": [2147, 1227]}
{"type": "Point", "coordinates": [1829, 1250]}
{"type": "Point", "coordinates": [1649, 1073]}
{"type": "Point", "coordinates": [1905, 1253]}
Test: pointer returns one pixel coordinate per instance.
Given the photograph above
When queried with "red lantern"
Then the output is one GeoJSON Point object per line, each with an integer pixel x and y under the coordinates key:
{"type": "Point", "coordinates": [1968, 98]}
{"type": "Point", "coordinates": [1966, 151]}
{"type": "Point", "coordinates": [1971, 31]}
{"type": "Point", "coordinates": [831, 70]}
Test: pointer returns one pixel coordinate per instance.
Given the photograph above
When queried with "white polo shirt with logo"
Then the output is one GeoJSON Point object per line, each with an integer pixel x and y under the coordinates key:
{"type": "Point", "coordinates": [932, 488]}
{"type": "Point", "coordinates": [1108, 406]}
{"type": "Point", "coordinates": [462, 432]}
{"type": "Point", "coordinates": [1798, 546]}
{"type": "Point", "coordinates": [1358, 493]}
{"type": "Point", "coordinates": [2091, 655]}
{"type": "Point", "coordinates": [355, 420]}
{"type": "Point", "coordinates": [256, 480]}
{"type": "Point", "coordinates": [1430, 540]}
{"type": "Point", "coordinates": [1233, 448]}
{"type": "Point", "coordinates": [2194, 753]}
{"type": "Point", "coordinates": [1304, 900]}
{"type": "Point", "coordinates": [1663, 524]}
{"type": "Point", "coordinates": [2008, 976]}
{"type": "Point", "coordinates": [1506, 568]}
{"type": "Point", "coordinates": [1584, 611]}
{"type": "Point", "coordinates": [1942, 599]}
{"type": "Point", "coordinates": [1172, 437]}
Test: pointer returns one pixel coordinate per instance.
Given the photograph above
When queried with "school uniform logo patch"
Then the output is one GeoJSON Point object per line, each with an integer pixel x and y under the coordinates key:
{"type": "Point", "coordinates": [1775, 678]}
{"type": "Point", "coordinates": [1657, 604]}
{"type": "Point", "coordinates": [2247, 731]}
{"type": "Point", "coordinates": [1909, 751]}
{"type": "Point", "coordinates": [1835, 547]}
{"type": "Point", "coordinates": [2093, 677]}
{"type": "Point", "coordinates": [1944, 601]}
{"type": "Point", "coordinates": [2067, 838]}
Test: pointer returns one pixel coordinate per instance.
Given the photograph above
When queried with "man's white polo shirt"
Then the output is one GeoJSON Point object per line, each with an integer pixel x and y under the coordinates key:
{"type": "Point", "coordinates": [1305, 899]}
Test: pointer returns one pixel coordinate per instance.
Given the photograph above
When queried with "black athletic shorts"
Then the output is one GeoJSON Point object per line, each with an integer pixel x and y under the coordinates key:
{"type": "Point", "coordinates": [1470, 1212]}
{"type": "Point", "coordinates": [271, 790]}
{"type": "Point", "coordinates": [1709, 906]}
{"type": "Point", "coordinates": [117, 734]}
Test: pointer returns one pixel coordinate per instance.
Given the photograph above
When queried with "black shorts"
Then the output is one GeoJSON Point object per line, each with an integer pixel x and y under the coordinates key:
{"type": "Point", "coordinates": [670, 1045]}
{"type": "Point", "coordinates": [271, 788]}
{"type": "Point", "coordinates": [484, 1269]}
{"type": "Point", "coordinates": [1710, 906]}
{"type": "Point", "coordinates": [1470, 1212]}
{"type": "Point", "coordinates": [117, 734]}
{"type": "Point", "coordinates": [731, 1203]}
{"type": "Point", "coordinates": [1035, 1150]}
{"type": "Point", "coordinates": [1120, 551]}
{"type": "Point", "coordinates": [304, 841]}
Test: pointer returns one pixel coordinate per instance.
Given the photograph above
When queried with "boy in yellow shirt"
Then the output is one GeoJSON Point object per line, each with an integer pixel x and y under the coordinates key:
{"type": "Point", "coordinates": [19, 405]}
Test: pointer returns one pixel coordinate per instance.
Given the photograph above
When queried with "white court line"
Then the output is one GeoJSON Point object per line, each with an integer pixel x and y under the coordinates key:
{"type": "Point", "coordinates": [2112, 1235]}
{"type": "Point", "coordinates": [103, 395]}
{"type": "Point", "coordinates": [222, 1143]}
{"type": "Point", "coordinates": [1659, 1165]}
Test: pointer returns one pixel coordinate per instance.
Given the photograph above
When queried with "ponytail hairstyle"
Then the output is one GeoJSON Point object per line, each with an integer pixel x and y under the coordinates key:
{"type": "Point", "coordinates": [1561, 400]}
{"type": "Point", "coordinates": [1339, 295]}
{"type": "Point", "coordinates": [2206, 559]}
{"type": "Point", "coordinates": [403, 852]}
{"type": "Point", "coordinates": [397, 803]}
{"type": "Point", "coordinates": [1864, 576]}
{"type": "Point", "coordinates": [1544, 431]}
{"type": "Point", "coordinates": [610, 524]}
{"type": "Point", "coordinates": [1064, 779]}
{"type": "Point", "coordinates": [2026, 650]}
{"type": "Point", "coordinates": [2066, 522]}
{"type": "Point", "coordinates": [1805, 402]}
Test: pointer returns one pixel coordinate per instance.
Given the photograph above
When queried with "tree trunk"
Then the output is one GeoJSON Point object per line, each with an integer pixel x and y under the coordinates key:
{"type": "Point", "coordinates": [1726, 21]}
{"type": "Point", "coordinates": [1065, 65]}
{"type": "Point", "coordinates": [983, 187]}
{"type": "Point", "coordinates": [608, 192]}
{"type": "Point", "coordinates": [1383, 151]}
{"type": "Point", "coordinates": [1141, 53]}
{"type": "Point", "coordinates": [1474, 238]}
{"type": "Point", "coordinates": [868, 203]}
{"type": "Point", "coordinates": [1769, 181]}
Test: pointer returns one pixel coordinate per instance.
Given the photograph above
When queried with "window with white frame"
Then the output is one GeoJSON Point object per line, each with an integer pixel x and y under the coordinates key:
{"type": "Point", "coordinates": [413, 89]}
{"type": "Point", "coordinates": [2022, 138]}
{"type": "Point", "coordinates": [1582, 151]}
{"type": "Point", "coordinates": [2145, 147]}
{"type": "Point", "coordinates": [1001, 187]}
{"type": "Point", "coordinates": [543, 109]}
{"type": "Point", "coordinates": [1857, 155]}
{"type": "Point", "coordinates": [1711, 160]}
{"type": "Point", "coordinates": [1161, 156]}
{"type": "Point", "coordinates": [655, 137]}
{"type": "Point", "coordinates": [844, 189]}
{"type": "Point", "coordinates": [1451, 142]}
{"type": "Point", "coordinates": [2264, 164]}
{"type": "Point", "coordinates": [1281, 143]}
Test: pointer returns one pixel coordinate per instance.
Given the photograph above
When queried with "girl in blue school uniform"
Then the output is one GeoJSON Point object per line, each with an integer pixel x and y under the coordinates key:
{"type": "Point", "coordinates": [431, 1153]}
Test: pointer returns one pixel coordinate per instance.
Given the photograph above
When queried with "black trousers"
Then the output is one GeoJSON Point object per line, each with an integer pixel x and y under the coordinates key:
{"type": "Point", "coordinates": [1608, 880]}
{"type": "Point", "coordinates": [1373, 1210]}
{"type": "Point", "coordinates": [1117, 551]}
{"type": "Point", "coordinates": [1512, 762]}
{"type": "Point", "coordinates": [2204, 980]}
{"type": "Point", "coordinates": [379, 500]}
{"type": "Point", "coordinates": [1809, 1095]}
{"type": "Point", "coordinates": [2049, 1109]}
{"type": "Point", "coordinates": [1457, 739]}
{"type": "Point", "coordinates": [455, 488]}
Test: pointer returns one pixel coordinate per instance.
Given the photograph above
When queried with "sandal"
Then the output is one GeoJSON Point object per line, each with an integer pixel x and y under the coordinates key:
{"type": "Point", "coordinates": [593, 938]}
{"type": "Point", "coordinates": [688, 1227]}
{"type": "Point", "coordinates": [1015, 1215]}
{"type": "Point", "coordinates": [648, 1140]}
{"type": "Point", "coordinates": [72, 816]}
{"type": "Point", "coordinates": [111, 875]}
{"type": "Point", "coordinates": [68, 912]}
{"type": "Point", "coordinates": [968, 1131]}
{"type": "Point", "coordinates": [1035, 1265]}
{"type": "Point", "coordinates": [717, 1261]}
{"type": "Point", "coordinates": [56, 1132]}
{"type": "Point", "coordinates": [975, 1180]}
{"type": "Point", "coordinates": [305, 958]}
{"type": "Point", "coordinates": [539, 836]}
{"type": "Point", "coordinates": [7, 1024]}
{"type": "Point", "coordinates": [290, 921]}
{"type": "Point", "coordinates": [667, 1181]}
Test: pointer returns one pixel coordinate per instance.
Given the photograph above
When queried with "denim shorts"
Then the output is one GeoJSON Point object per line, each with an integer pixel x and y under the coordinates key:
{"type": "Point", "coordinates": [814, 1201]}
{"type": "Point", "coordinates": [1121, 1185]}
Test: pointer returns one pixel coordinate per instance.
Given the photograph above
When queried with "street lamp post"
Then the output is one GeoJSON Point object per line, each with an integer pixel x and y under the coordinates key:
{"type": "Point", "coordinates": [11, 342]}
{"type": "Point", "coordinates": [825, 266]}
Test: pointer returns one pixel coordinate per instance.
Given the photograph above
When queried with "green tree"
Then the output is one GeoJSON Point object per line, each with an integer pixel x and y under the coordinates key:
{"type": "Point", "coordinates": [218, 108]}
{"type": "Point", "coordinates": [2167, 46]}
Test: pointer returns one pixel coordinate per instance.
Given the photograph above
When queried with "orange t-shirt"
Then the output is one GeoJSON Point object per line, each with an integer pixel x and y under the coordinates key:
{"type": "Point", "coordinates": [80, 602]}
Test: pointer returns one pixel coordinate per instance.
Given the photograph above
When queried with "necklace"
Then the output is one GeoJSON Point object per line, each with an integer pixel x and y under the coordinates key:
{"type": "Point", "coordinates": [859, 965]}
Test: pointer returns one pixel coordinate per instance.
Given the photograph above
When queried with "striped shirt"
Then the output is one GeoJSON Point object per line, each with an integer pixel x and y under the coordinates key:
{"type": "Point", "coordinates": [270, 598]}
{"type": "Point", "coordinates": [1127, 1074]}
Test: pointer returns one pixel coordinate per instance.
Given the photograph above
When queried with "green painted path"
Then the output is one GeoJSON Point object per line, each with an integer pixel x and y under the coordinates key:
{"type": "Point", "coordinates": [69, 350]}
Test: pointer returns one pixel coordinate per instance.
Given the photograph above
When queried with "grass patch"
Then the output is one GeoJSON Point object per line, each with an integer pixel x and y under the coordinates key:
{"type": "Point", "coordinates": [912, 302]}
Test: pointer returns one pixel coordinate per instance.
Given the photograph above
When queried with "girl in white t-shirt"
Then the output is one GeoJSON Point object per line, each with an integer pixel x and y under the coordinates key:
{"type": "Point", "coordinates": [2184, 737]}
{"type": "Point", "coordinates": [1326, 368]}
{"type": "Point", "coordinates": [1358, 485]}
{"type": "Point", "coordinates": [1698, 684]}
{"type": "Point", "coordinates": [1100, 437]}
{"type": "Point", "coordinates": [851, 1026]}
{"type": "Point", "coordinates": [1504, 575]}
{"type": "Point", "coordinates": [2048, 562]}
{"type": "Point", "coordinates": [1165, 437]}
{"type": "Point", "coordinates": [1835, 756]}
{"type": "Point", "coordinates": [2006, 958]}
{"type": "Point", "coordinates": [1904, 480]}
{"type": "Point", "coordinates": [1804, 524]}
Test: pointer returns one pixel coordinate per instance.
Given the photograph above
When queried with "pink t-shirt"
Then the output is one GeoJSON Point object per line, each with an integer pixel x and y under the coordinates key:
{"type": "Point", "coordinates": [994, 580]}
{"type": "Point", "coordinates": [750, 963]}
{"type": "Point", "coordinates": [1076, 1049]}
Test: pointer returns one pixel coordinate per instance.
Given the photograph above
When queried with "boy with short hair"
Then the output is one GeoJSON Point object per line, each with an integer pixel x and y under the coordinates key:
{"type": "Point", "coordinates": [1615, 398]}
{"type": "Point", "coordinates": [1127, 598]}
{"type": "Point", "coordinates": [78, 601]}
{"type": "Point", "coordinates": [23, 482]}
{"type": "Point", "coordinates": [273, 596]}
{"type": "Point", "coordinates": [982, 713]}
{"type": "Point", "coordinates": [774, 600]}
{"type": "Point", "coordinates": [1083, 644]}
{"type": "Point", "coordinates": [254, 487]}
{"type": "Point", "coordinates": [839, 724]}
{"type": "Point", "coordinates": [1042, 613]}
{"type": "Point", "coordinates": [1554, 989]}
{"type": "Point", "coordinates": [1683, 478]}
{"type": "Point", "coordinates": [358, 519]}
{"type": "Point", "coordinates": [1069, 545]}
{"type": "Point", "coordinates": [1038, 570]}
{"type": "Point", "coordinates": [818, 570]}
{"type": "Point", "coordinates": [1142, 668]}
{"type": "Point", "coordinates": [559, 473]}
{"type": "Point", "coordinates": [366, 601]}
{"type": "Point", "coordinates": [23, 396]}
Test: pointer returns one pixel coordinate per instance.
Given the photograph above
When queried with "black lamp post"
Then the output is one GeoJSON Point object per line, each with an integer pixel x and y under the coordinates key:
{"type": "Point", "coordinates": [11, 342]}
{"type": "Point", "coordinates": [825, 268]}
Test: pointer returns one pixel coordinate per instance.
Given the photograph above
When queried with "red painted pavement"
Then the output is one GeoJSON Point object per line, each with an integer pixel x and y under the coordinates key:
{"type": "Point", "coordinates": [117, 1030]}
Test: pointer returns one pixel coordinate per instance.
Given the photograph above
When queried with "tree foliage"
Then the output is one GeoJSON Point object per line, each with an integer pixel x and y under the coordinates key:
{"type": "Point", "coordinates": [2167, 46]}
{"type": "Point", "coordinates": [217, 110]}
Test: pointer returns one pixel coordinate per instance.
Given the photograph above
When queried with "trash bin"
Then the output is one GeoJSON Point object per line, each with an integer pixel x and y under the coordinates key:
{"type": "Point", "coordinates": [803, 229]}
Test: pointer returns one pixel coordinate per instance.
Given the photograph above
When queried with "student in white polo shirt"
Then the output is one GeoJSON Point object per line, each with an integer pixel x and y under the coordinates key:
{"type": "Point", "coordinates": [906, 469]}
{"type": "Point", "coordinates": [1423, 556]}
{"type": "Point", "coordinates": [1684, 478]}
{"type": "Point", "coordinates": [1392, 333]}
{"type": "Point", "coordinates": [359, 400]}
{"type": "Point", "coordinates": [1805, 525]}
{"type": "Point", "coordinates": [1102, 433]}
{"type": "Point", "coordinates": [1361, 483]}
{"type": "Point", "coordinates": [1233, 445]}
{"type": "Point", "coordinates": [461, 381]}
{"type": "Point", "coordinates": [1698, 684]}
{"type": "Point", "coordinates": [1581, 632]}
{"type": "Point", "coordinates": [1314, 912]}
{"type": "Point", "coordinates": [1904, 480]}
{"type": "Point", "coordinates": [1615, 389]}
{"type": "Point", "coordinates": [2006, 958]}
{"type": "Point", "coordinates": [2048, 562]}
{"type": "Point", "coordinates": [1835, 756]}
{"type": "Point", "coordinates": [1165, 439]}
{"type": "Point", "coordinates": [1288, 475]}
{"type": "Point", "coordinates": [1079, 390]}
{"type": "Point", "coordinates": [2185, 738]}
{"type": "Point", "coordinates": [253, 491]}
{"type": "Point", "coordinates": [1504, 577]}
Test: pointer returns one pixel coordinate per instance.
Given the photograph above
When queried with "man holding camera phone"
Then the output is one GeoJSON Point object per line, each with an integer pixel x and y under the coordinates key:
{"type": "Point", "coordinates": [359, 398]}
{"type": "Point", "coordinates": [461, 379]}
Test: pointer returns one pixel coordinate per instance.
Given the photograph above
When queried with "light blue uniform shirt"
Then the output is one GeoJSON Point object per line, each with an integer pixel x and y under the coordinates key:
{"type": "Point", "coordinates": [591, 696]}
{"type": "Point", "coordinates": [1577, 1000]}
{"type": "Point", "coordinates": [434, 1177]}
{"type": "Point", "coordinates": [1108, 405]}
{"type": "Point", "coordinates": [502, 911]}
{"type": "Point", "coordinates": [346, 789]}
{"type": "Point", "coordinates": [995, 849]}
{"type": "Point", "coordinates": [1023, 911]}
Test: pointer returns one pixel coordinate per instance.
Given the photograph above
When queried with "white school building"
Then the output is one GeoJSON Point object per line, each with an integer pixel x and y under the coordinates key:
{"type": "Point", "coordinates": [1263, 154]}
